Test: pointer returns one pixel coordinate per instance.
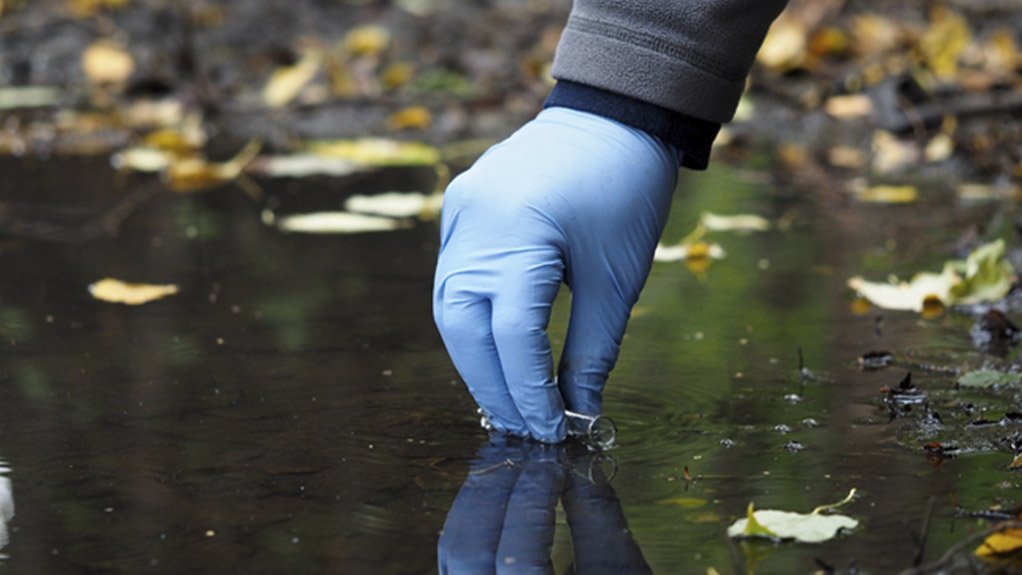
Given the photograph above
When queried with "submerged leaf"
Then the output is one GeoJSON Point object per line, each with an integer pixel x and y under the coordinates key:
{"type": "Point", "coordinates": [117, 291]}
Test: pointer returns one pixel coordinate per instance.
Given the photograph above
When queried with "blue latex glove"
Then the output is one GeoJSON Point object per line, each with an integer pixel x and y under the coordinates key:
{"type": "Point", "coordinates": [571, 197]}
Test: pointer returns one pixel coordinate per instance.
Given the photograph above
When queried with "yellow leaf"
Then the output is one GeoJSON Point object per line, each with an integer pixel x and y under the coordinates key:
{"type": "Point", "coordinates": [846, 157]}
{"type": "Point", "coordinates": [891, 154]}
{"type": "Point", "coordinates": [784, 47]}
{"type": "Point", "coordinates": [1001, 542]}
{"type": "Point", "coordinates": [107, 62]}
{"type": "Point", "coordinates": [889, 194]}
{"type": "Point", "coordinates": [397, 74]}
{"type": "Point", "coordinates": [939, 148]}
{"type": "Point", "coordinates": [412, 117]}
{"type": "Point", "coordinates": [192, 174]}
{"type": "Point", "coordinates": [117, 291]}
{"type": "Point", "coordinates": [739, 222]}
{"type": "Point", "coordinates": [287, 82]}
{"type": "Point", "coordinates": [874, 34]}
{"type": "Point", "coordinates": [850, 106]}
{"type": "Point", "coordinates": [332, 223]}
{"type": "Point", "coordinates": [944, 41]}
{"type": "Point", "coordinates": [378, 152]}
{"type": "Point", "coordinates": [366, 41]}
{"type": "Point", "coordinates": [1016, 463]}
{"type": "Point", "coordinates": [87, 8]}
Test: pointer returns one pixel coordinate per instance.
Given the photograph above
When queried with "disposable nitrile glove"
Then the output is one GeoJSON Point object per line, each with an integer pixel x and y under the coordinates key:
{"type": "Point", "coordinates": [572, 197]}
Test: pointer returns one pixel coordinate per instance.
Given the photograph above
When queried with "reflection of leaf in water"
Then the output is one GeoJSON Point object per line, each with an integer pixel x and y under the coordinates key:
{"type": "Point", "coordinates": [117, 291]}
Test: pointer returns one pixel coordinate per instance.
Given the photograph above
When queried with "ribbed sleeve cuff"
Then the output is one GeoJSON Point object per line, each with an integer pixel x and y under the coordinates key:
{"type": "Point", "coordinates": [692, 136]}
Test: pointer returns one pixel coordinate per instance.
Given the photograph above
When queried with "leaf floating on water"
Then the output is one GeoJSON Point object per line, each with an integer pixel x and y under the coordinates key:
{"type": "Point", "coordinates": [379, 152]}
{"type": "Point", "coordinates": [116, 291]}
{"type": "Point", "coordinates": [193, 174]}
{"type": "Point", "coordinates": [396, 204]}
{"type": "Point", "coordinates": [736, 223]}
{"type": "Point", "coordinates": [12, 98]}
{"type": "Point", "coordinates": [849, 106]}
{"type": "Point", "coordinates": [683, 252]}
{"type": "Point", "coordinates": [367, 41]}
{"type": "Point", "coordinates": [814, 527]}
{"type": "Point", "coordinates": [1005, 541]}
{"type": "Point", "coordinates": [983, 276]}
{"type": "Point", "coordinates": [333, 223]}
{"type": "Point", "coordinates": [989, 378]}
{"type": "Point", "coordinates": [303, 165]}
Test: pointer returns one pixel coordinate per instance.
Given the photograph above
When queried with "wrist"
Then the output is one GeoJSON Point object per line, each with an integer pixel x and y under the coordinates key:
{"type": "Point", "coordinates": [691, 137]}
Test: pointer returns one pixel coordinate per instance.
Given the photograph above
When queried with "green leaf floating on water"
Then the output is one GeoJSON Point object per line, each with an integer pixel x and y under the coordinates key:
{"type": "Point", "coordinates": [984, 276]}
{"type": "Point", "coordinates": [814, 527]}
{"type": "Point", "coordinates": [989, 378]}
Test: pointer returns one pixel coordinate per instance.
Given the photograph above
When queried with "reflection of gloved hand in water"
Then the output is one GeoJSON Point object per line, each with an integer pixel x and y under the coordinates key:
{"type": "Point", "coordinates": [570, 196]}
{"type": "Point", "coordinates": [6, 505]}
{"type": "Point", "coordinates": [503, 517]}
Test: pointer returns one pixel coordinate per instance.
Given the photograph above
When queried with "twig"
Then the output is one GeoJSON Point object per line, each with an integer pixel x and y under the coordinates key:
{"type": "Point", "coordinates": [924, 535]}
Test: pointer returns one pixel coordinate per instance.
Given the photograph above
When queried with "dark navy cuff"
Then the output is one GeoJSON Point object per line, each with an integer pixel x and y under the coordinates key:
{"type": "Point", "coordinates": [691, 136]}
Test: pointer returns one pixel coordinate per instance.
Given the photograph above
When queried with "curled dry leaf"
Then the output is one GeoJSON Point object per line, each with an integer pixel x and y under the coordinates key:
{"type": "Point", "coordinates": [117, 291]}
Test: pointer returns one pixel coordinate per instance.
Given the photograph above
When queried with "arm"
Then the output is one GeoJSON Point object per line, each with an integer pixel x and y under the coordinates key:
{"type": "Point", "coordinates": [580, 195]}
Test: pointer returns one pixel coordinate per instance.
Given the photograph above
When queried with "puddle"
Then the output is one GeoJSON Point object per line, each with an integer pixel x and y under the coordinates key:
{"type": "Point", "coordinates": [291, 409]}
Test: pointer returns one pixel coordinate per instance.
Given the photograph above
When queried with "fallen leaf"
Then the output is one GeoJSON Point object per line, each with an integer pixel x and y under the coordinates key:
{"type": "Point", "coordinates": [942, 44]}
{"type": "Point", "coordinates": [117, 291]}
{"type": "Point", "coordinates": [107, 62]}
{"type": "Point", "coordinates": [378, 152]}
{"type": "Point", "coordinates": [983, 276]}
{"type": "Point", "coordinates": [850, 106]}
{"type": "Point", "coordinates": [814, 527]}
{"type": "Point", "coordinates": [366, 41]}
{"type": "Point", "coordinates": [740, 222]}
{"type": "Point", "coordinates": [412, 117]}
{"type": "Point", "coordinates": [697, 250]}
{"type": "Point", "coordinates": [332, 223]}
{"type": "Point", "coordinates": [142, 159]}
{"type": "Point", "coordinates": [888, 194]}
{"type": "Point", "coordinates": [396, 204]}
{"type": "Point", "coordinates": [989, 378]}
{"type": "Point", "coordinates": [784, 47]}
{"type": "Point", "coordinates": [1016, 463]}
{"type": "Point", "coordinates": [303, 165]}
{"type": "Point", "coordinates": [192, 174]}
{"type": "Point", "coordinates": [987, 276]}
{"type": "Point", "coordinates": [846, 157]}
{"type": "Point", "coordinates": [287, 82]}
{"type": "Point", "coordinates": [875, 34]}
{"type": "Point", "coordinates": [1004, 541]}
{"type": "Point", "coordinates": [891, 154]}
{"type": "Point", "coordinates": [15, 97]}
{"type": "Point", "coordinates": [939, 148]}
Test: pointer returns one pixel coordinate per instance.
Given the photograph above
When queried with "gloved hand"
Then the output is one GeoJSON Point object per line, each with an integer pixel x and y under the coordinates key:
{"type": "Point", "coordinates": [572, 197]}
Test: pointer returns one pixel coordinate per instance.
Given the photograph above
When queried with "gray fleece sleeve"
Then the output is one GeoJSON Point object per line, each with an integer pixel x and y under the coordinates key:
{"type": "Point", "coordinates": [688, 56]}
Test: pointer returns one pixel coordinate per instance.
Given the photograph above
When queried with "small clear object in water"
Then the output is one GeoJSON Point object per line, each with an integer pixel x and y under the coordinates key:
{"type": "Point", "coordinates": [596, 430]}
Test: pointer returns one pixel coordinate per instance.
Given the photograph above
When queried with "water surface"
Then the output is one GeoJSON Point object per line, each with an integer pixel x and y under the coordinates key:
{"type": "Point", "coordinates": [292, 409]}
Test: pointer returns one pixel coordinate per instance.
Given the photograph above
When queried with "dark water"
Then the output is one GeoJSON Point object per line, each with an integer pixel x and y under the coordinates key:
{"type": "Point", "coordinates": [293, 410]}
